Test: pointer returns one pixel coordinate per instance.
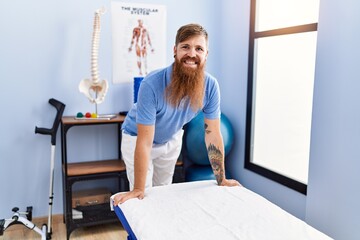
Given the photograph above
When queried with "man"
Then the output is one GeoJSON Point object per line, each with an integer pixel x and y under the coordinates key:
{"type": "Point", "coordinates": [141, 38]}
{"type": "Point", "coordinates": [168, 99]}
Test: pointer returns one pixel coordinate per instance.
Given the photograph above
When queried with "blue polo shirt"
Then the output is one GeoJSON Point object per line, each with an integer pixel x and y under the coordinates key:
{"type": "Point", "coordinates": [153, 109]}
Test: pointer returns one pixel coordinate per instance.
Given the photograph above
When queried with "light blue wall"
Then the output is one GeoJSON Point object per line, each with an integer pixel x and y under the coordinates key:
{"type": "Point", "coordinates": [44, 52]}
{"type": "Point", "coordinates": [334, 179]}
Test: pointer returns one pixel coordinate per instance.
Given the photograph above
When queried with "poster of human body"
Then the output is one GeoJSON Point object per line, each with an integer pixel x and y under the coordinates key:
{"type": "Point", "coordinates": [139, 39]}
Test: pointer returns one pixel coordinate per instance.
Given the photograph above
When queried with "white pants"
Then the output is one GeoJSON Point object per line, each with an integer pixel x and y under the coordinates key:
{"type": "Point", "coordinates": [162, 160]}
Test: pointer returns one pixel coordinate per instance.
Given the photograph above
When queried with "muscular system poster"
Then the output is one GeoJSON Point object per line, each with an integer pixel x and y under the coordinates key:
{"type": "Point", "coordinates": [139, 39]}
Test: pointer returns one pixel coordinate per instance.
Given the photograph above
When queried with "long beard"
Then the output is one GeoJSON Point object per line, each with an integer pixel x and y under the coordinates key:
{"type": "Point", "coordinates": [186, 84]}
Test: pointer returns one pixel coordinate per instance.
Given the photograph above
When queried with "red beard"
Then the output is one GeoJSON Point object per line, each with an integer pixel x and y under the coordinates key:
{"type": "Point", "coordinates": [186, 84]}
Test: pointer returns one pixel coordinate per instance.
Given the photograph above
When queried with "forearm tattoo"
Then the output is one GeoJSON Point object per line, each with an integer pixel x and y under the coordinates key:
{"type": "Point", "coordinates": [207, 131]}
{"type": "Point", "coordinates": [216, 159]}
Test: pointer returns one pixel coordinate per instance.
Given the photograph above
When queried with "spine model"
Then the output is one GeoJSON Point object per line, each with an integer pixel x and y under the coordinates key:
{"type": "Point", "coordinates": [95, 89]}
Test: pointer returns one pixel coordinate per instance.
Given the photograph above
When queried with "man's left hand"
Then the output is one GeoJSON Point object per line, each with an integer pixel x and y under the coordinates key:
{"type": "Point", "coordinates": [230, 183]}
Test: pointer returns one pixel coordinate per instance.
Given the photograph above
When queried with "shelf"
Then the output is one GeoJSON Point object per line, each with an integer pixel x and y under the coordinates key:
{"type": "Point", "coordinates": [88, 171]}
{"type": "Point", "coordinates": [179, 163]}
{"type": "Point", "coordinates": [95, 213]}
{"type": "Point", "coordinates": [70, 120]}
{"type": "Point", "coordinates": [95, 167]}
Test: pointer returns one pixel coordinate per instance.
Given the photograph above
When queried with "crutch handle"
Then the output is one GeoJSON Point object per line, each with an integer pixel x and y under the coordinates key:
{"type": "Point", "coordinates": [52, 131]}
{"type": "Point", "coordinates": [45, 131]}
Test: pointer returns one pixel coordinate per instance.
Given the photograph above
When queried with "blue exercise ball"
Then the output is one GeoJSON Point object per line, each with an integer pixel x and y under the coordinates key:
{"type": "Point", "coordinates": [195, 139]}
{"type": "Point", "coordinates": [201, 173]}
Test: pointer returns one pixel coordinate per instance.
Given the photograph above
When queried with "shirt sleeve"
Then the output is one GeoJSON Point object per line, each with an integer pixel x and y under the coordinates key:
{"type": "Point", "coordinates": [146, 105]}
{"type": "Point", "coordinates": [212, 105]}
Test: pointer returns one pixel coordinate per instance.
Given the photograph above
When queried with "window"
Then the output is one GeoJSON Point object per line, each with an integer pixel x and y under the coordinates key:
{"type": "Point", "coordinates": [282, 50]}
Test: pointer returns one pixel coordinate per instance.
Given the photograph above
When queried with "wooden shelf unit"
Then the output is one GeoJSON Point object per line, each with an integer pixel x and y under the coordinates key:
{"type": "Point", "coordinates": [90, 170]}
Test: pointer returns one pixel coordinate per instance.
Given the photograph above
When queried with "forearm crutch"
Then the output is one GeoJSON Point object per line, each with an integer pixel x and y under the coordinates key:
{"type": "Point", "coordinates": [24, 218]}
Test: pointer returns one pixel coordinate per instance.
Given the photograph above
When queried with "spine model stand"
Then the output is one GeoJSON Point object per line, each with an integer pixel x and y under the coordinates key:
{"type": "Point", "coordinates": [94, 89]}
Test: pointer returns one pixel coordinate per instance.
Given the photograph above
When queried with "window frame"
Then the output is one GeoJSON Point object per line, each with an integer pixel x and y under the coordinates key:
{"type": "Point", "coordinates": [277, 177]}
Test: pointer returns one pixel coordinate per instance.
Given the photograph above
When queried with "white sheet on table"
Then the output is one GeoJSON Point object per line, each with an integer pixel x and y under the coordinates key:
{"type": "Point", "coordinates": [203, 210]}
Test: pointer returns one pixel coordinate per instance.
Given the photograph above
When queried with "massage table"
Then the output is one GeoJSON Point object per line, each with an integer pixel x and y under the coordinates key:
{"type": "Point", "coordinates": [204, 211]}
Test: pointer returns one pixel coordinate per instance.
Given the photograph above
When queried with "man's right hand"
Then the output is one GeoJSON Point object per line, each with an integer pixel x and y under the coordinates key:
{"type": "Point", "coordinates": [123, 197]}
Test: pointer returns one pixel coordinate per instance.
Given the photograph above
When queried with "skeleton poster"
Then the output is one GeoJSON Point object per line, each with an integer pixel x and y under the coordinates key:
{"type": "Point", "coordinates": [139, 39]}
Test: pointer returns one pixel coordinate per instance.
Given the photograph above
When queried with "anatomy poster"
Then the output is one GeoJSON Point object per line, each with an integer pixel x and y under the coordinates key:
{"type": "Point", "coordinates": [139, 39]}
